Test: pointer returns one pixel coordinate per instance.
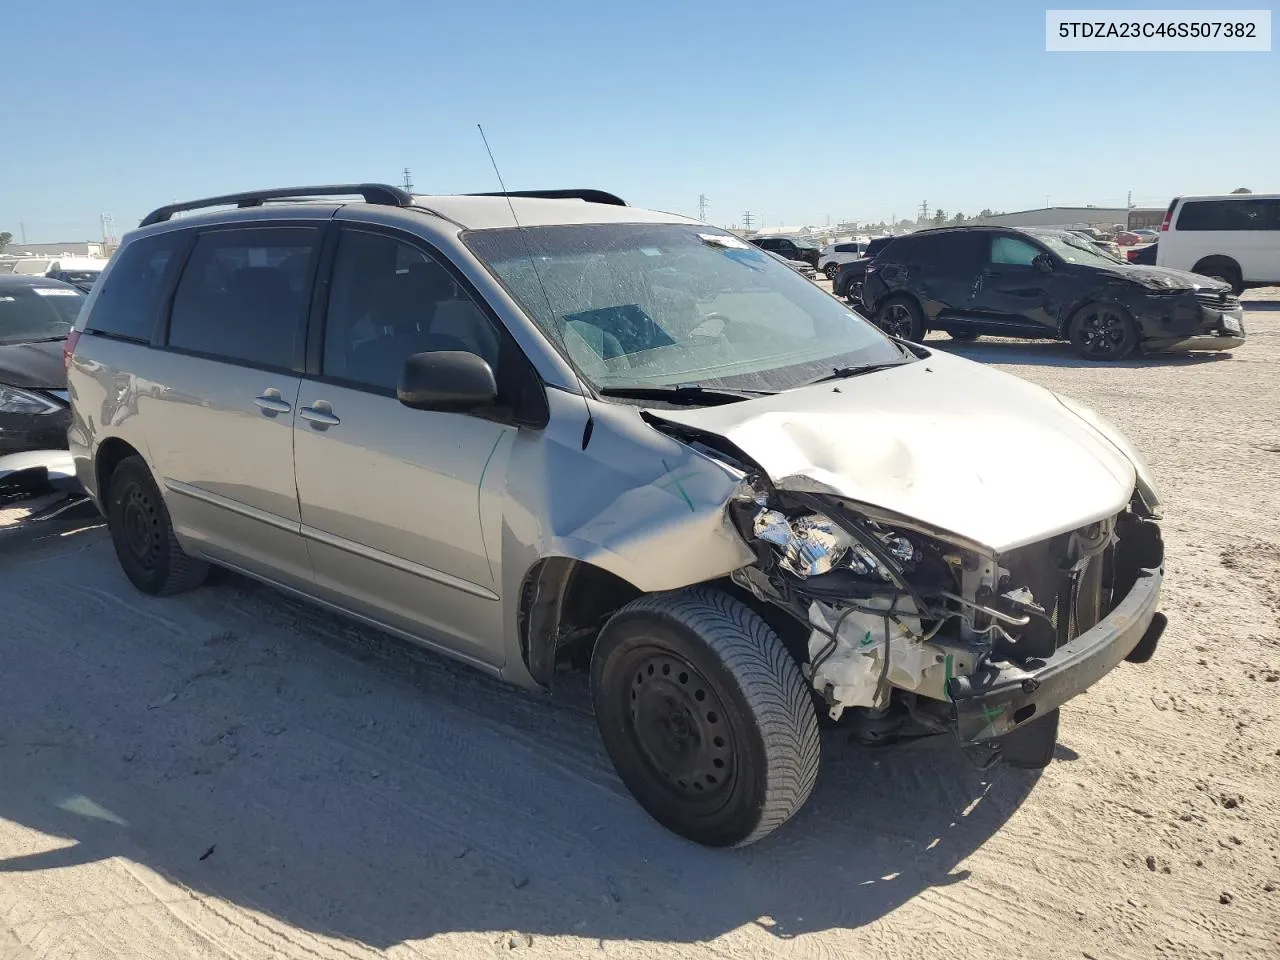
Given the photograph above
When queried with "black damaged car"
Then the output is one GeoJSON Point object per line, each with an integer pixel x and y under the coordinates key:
{"type": "Point", "coordinates": [1043, 283]}
{"type": "Point", "coordinates": [36, 314]}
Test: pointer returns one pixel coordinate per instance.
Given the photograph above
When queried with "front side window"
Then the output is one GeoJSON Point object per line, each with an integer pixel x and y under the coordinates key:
{"type": "Point", "coordinates": [390, 300]}
{"type": "Point", "coordinates": [242, 295]}
{"type": "Point", "coordinates": [1011, 251]}
{"type": "Point", "coordinates": [128, 304]}
{"type": "Point", "coordinates": [31, 314]}
{"type": "Point", "coordinates": [674, 304]}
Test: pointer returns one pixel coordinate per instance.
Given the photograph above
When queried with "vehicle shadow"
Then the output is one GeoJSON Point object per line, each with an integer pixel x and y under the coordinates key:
{"type": "Point", "coordinates": [1050, 353]}
{"type": "Point", "coordinates": [279, 758]}
{"type": "Point", "coordinates": [1260, 306]}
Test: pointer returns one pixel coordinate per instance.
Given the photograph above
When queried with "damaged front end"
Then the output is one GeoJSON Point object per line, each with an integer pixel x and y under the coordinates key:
{"type": "Point", "coordinates": [914, 631]}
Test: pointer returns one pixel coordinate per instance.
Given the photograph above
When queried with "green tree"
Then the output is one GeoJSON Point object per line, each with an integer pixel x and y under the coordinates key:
{"type": "Point", "coordinates": [939, 217]}
{"type": "Point", "coordinates": [958, 218]}
{"type": "Point", "coordinates": [5, 237]}
{"type": "Point", "coordinates": [984, 213]}
{"type": "Point", "coordinates": [1242, 190]}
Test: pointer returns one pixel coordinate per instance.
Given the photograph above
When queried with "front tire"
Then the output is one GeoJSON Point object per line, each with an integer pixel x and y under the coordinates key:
{"type": "Point", "coordinates": [1103, 331]}
{"type": "Point", "coordinates": [142, 534]}
{"type": "Point", "coordinates": [830, 270]}
{"type": "Point", "coordinates": [705, 715]}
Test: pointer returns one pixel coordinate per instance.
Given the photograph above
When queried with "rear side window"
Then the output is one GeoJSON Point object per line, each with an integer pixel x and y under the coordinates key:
{"type": "Point", "coordinates": [243, 294]}
{"type": "Point", "coordinates": [128, 304]}
{"type": "Point", "coordinates": [1243, 214]}
{"type": "Point", "coordinates": [961, 251]}
{"type": "Point", "coordinates": [848, 248]}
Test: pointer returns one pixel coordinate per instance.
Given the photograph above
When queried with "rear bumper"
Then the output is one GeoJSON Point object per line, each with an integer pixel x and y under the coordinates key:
{"type": "Point", "coordinates": [998, 698]}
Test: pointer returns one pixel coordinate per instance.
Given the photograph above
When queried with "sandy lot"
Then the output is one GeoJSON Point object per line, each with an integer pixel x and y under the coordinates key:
{"type": "Point", "coordinates": [231, 774]}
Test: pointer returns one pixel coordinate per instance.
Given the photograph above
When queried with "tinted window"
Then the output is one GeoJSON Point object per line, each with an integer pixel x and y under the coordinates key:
{"type": "Point", "coordinates": [1245, 214]}
{"type": "Point", "coordinates": [903, 249]}
{"type": "Point", "coordinates": [388, 301]}
{"type": "Point", "coordinates": [960, 251]}
{"type": "Point", "coordinates": [129, 301]}
{"type": "Point", "coordinates": [242, 295]}
{"type": "Point", "coordinates": [1013, 251]}
{"type": "Point", "coordinates": [848, 248]}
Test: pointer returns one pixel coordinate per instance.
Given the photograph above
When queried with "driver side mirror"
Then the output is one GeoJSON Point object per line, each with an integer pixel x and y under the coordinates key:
{"type": "Point", "coordinates": [1043, 262]}
{"type": "Point", "coordinates": [451, 381]}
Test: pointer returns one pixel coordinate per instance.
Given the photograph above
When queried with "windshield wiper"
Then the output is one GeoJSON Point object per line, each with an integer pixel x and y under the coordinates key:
{"type": "Point", "coordinates": [690, 393]}
{"type": "Point", "coordinates": [843, 373]}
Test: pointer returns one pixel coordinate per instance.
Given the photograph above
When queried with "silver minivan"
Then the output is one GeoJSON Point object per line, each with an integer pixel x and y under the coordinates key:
{"type": "Point", "coordinates": [549, 431]}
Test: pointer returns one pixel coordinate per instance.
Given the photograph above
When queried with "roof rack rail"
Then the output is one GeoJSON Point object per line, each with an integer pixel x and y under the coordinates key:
{"type": "Point", "coordinates": [590, 196]}
{"type": "Point", "coordinates": [379, 193]}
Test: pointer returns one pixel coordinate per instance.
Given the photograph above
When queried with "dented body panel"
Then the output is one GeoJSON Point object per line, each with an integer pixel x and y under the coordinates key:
{"type": "Point", "coordinates": [966, 449]}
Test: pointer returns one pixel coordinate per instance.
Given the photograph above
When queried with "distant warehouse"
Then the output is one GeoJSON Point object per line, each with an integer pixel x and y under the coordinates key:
{"type": "Point", "coordinates": [1101, 217]}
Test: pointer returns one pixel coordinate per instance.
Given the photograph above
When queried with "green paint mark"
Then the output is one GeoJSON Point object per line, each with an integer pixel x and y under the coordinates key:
{"type": "Point", "coordinates": [480, 491]}
{"type": "Point", "coordinates": [990, 715]}
{"type": "Point", "coordinates": [676, 480]}
{"type": "Point", "coordinates": [948, 668]}
{"type": "Point", "coordinates": [866, 640]}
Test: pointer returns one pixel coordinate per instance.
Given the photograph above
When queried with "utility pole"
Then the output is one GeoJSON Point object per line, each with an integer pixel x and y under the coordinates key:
{"type": "Point", "coordinates": [22, 229]}
{"type": "Point", "coordinates": [1129, 201]}
{"type": "Point", "coordinates": [408, 181]}
{"type": "Point", "coordinates": [703, 201]}
{"type": "Point", "coordinates": [746, 220]}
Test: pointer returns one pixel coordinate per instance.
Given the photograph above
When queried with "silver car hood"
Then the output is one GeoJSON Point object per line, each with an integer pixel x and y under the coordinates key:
{"type": "Point", "coordinates": [956, 445]}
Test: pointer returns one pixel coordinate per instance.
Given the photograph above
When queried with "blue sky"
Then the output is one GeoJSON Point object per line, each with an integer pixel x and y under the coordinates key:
{"type": "Point", "coordinates": [849, 110]}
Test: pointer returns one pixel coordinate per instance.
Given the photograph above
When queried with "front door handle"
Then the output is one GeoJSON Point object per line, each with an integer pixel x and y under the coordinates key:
{"type": "Point", "coordinates": [271, 402]}
{"type": "Point", "coordinates": [320, 414]}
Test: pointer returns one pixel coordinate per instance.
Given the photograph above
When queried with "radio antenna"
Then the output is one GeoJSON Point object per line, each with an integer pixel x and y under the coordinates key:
{"type": "Point", "coordinates": [533, 263]}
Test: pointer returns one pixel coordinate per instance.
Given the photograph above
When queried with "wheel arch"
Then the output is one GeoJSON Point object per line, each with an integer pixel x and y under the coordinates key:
{"type": "Point", "coordinates": [110, 453]}
{"type": "Point", "coordinates": [565, 602]}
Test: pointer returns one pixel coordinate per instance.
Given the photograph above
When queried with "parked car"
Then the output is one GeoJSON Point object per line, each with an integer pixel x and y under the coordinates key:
{"type": "Point", "coordinates": [1145, 254]}
{"type": "Point", "coordinates": [1235, 238]}
{"type": "Point", "coordinates": [1127, 238]}
{"type": "Point", "coordinates": [848, 280]}
{"type": "Point", "coordinates": [791, 248]}
{"type": "Point", "coordinates": [81, 272]}
{"type": "Point", "coordinates": [1029, 282]}
{"type": "Point", "coordinates": [1145, 236]}
{"type": "Point", "coordinates": [835, 254]}
{"type": "Point", "coordinates": [603, 438]}
{"type": "Point", "coordinates": [36, 314]}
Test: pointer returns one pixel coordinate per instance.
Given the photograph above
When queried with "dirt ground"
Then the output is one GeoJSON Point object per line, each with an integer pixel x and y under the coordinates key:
{"type": "Point", "coordinates": [228, 774]}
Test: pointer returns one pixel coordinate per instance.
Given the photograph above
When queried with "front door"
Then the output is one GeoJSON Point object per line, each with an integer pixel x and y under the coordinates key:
{"type": "Point", "coordinates": [1011, 293]}
{"type": "Point", "coordinates": [401, 508]}
{"type": "Point", "coordinates": [222, 391]}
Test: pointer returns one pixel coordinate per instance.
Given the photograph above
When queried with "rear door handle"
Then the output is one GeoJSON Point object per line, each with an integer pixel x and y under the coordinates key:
{"type": "Point", "coordinates": [271, 402]}
{"type": "Point", "coordinates": [320, 414]}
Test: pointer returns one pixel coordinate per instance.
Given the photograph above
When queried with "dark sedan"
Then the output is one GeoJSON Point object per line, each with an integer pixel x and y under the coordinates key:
{"type": "Point", "coordinates": [997, 281]}
{"type": "Point", "coordinates": [36, 314]}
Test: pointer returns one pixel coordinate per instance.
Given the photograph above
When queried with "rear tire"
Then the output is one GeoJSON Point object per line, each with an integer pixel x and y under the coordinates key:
{"type": "Point", "coordinates": [142, 534]}
{"type": "Point", "coordinates": [1103, 331]}
{"type": "Point", "coordinates": [1221, 268]}
{"type": "Point", "coordinates": [900, 316]}
{"type": "Point", "coordinates": [705, 715]}
{"type": "Point", "coordinates": [830, 270]}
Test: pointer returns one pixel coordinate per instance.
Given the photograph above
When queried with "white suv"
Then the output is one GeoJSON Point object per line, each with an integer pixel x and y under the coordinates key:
{"type": "Point", "coordinates": [1235, 238]}
{"type": "Point", "coordinates": [835, 254]}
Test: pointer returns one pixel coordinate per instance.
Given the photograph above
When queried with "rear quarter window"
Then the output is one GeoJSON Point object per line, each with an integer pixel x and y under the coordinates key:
{"type": "Point", "coordinates": [128, 305]}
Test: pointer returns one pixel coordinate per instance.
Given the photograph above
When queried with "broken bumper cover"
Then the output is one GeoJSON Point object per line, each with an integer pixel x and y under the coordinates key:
{"type": "Point", "coordinates": [54, 467]}
{"type": "Point", "coordinates": [998, 699]}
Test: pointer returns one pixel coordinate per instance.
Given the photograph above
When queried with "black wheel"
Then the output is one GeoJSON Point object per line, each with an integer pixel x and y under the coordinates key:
{"type": "Point", "coordinates": [964, 336]}
{"type": "Point", "coordinates": [705, 715]}
{"type": "Point", "coordinates": [901, 317]}
{"type": "Point", "coordinates": [1221, 268]}
{"type": "Point", "coordinates": [1103, 331]}
{"type": "Point", "coordinates": [143, 537]}
{"type": "Point", "coordinates": [831, 269]}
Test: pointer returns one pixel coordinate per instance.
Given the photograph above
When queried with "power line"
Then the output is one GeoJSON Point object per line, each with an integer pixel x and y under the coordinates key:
{"type": "Point", "coordinates": [703, 202]}
{"type": "Point", "coordinates": [746, 220]}
{"type": "Point", "coordinates": [408, 181]}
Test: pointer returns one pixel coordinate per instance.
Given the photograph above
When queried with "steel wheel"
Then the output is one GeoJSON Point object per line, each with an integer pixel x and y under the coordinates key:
{"type": "Point", "coordinates": [1103, 331]}
{"type": "Point", "coordinates": [140, 526]}
{"type": "Point", "coordinates": [143, 536]}
{"type": "Point", "coordinates": [678, 724]}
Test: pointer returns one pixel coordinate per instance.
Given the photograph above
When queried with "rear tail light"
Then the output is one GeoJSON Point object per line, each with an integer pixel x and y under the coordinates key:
{"type": "Point", "coordinates": [69, 348]}
{"type": "Point", "coordinates": [1168, 217]}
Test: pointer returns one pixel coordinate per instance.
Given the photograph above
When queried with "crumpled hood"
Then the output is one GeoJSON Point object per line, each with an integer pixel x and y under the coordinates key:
{"type": "Point", "coordinates": [33, 365]}
{"type": "Point", "coordinates": [946, 441]}
{"type": "Point", "coordinates": [1165, 277]}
